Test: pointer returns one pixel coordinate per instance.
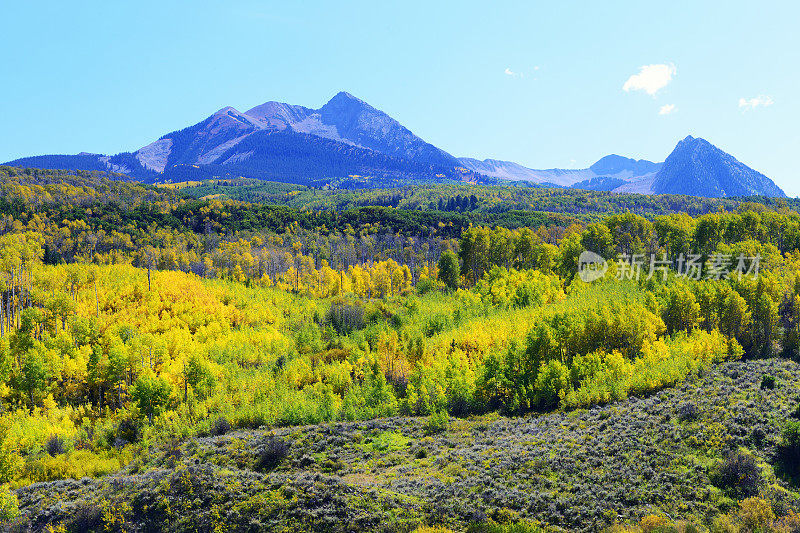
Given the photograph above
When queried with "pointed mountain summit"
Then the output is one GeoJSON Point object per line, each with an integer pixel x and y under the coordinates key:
{"type": "Point", "coordinates": [698, 168]}
{"type": "Point", "coordinates": [358, 122]}
{"type": "Point", "coordinates": [244, 142]}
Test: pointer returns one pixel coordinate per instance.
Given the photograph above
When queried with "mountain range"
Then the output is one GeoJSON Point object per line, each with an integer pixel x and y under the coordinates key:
{"type": "Point", "coordinates": [616, 168]}
{"type": "Point", "coordinates": [348, 137]}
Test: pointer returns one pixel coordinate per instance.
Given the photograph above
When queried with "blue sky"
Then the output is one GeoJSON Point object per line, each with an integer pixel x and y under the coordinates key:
{"type": "Point", "coordinates": [540, 83]}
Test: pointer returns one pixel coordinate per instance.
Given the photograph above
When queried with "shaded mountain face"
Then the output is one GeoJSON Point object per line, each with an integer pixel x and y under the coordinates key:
{"type": "Point", "coordinates": [698, 168]}
{"type": "Point", "coordinates": [599, 184]}
{"type": "Point", "coordinates": [277, 115]}
{"type": "Point", "coordinates": [363, 125]}
{"type": "Point", "coordinates": [614, 165]}
{"type": "Point", "coordinates": [125, 163]}
{"type": "Point", "coordinates": [295, 157]}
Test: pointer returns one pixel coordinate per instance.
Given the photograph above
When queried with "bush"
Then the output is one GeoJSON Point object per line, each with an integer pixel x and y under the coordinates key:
{"type": "Point", "coordinates": [219, 427]}
{"type": "Point", "coordinates": [75, 464]}
{"type": "Point", "coordinates": [55, 446]}
{"type": "Point", "coordinates": [552, 381]}
{"type": "Point", "coordinates": [739, 474]}
{"type": "Point", "coordinates": [652, 523]}
{"type": "Point", "coordinates": [788, 452]}
{"type": "Point", "coordinates": [9, 506]}
{"type": "Point", "coordinates": [490, 526]}
{"type": "Point", "coordinates": [758, 436]}
{"type": "Point", "coordinates": [688, 412]}
{"type": "Point", "coordinates": [436, 324]}
{"type": "Point", "coordinates": [681, 312]}
{"type": "Point", "coordinates": [85, 517]}
{"type": "Point", "coordinates": [128, 430]}
{"type": "Point", "coordinates": [426, 285]}
{"type": "Point", "coordinates": [756, 514]}
{"type": "Point", "coordinates": [152, 395]}
{"type": "Point", "coordinates": [437, 422]}
{"type": "Point", "coordinates": [767, 382]}
{"type": "Point", "coordinates": [11, 461]}
{"type": "Point", "coordinates": [271, 454]}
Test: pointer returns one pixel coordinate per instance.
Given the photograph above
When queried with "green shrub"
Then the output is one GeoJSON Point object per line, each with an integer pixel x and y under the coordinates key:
{"type": "Point", "coordinates": [551, 383]}
{"type": "Point", "coordinates": [522, 526]}
{"type": "Point", "coordinates": [449, 270]}
{"type": "Point", "coordinates": [788, 452]}
{"type": "Point", "coordinates": [436, 324]}
{"type": "Point", "coordinates": [437, 422]}
{"type": "Point", "coordinates": [76, 464]}
{"type": "Point", "coordinates": [767, 382]}
{"type": "Point", "coordinates": [9, 506]}
{"type": "Point", "coordinates": [345, 317]}
{"type": "Point", "coordinates": [426, 285]}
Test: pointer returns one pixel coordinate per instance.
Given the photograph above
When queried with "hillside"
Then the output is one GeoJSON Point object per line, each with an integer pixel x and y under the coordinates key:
{"type": "Point", "coordinates": [576, 471]}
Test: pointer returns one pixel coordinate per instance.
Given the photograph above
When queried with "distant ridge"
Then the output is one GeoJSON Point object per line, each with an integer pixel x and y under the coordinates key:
{"type": "Point", "coordinates": [616, 168]}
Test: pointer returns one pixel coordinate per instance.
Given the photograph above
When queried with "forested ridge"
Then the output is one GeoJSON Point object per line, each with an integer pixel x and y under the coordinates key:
{"type": "Point", "coordinates": [474, 199]}
{"type": "Point", "coordinates": [136, 319]}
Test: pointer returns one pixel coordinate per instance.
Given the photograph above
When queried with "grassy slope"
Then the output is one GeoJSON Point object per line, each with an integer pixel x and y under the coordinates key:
{"type": "Point", "coordinates": [579, 471]}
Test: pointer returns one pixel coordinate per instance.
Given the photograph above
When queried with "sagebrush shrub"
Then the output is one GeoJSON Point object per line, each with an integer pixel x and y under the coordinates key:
{"type": "Point", "coordinates": [688, 412]}
{"type": "Point", "coordinates": [740, 474]}
{"type": "Point", "coordinates": [220, 426]}
{"type": "Point", "coordinates": [271, 454]}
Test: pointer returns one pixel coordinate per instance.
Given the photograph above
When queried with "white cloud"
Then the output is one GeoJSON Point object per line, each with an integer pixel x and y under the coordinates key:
{"type": "Point", "coordinates": [757, 101]}
{"type": "Point", "coordinates": [514, 74]}
{"type": "Point", "coordinates": [667, 109]}
{"type": "Point", "coordinates": [650, 79]}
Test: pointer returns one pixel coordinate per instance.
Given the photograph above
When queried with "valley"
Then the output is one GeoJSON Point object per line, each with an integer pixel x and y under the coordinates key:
{"type": "Point", "coordinates": [404, 359]}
